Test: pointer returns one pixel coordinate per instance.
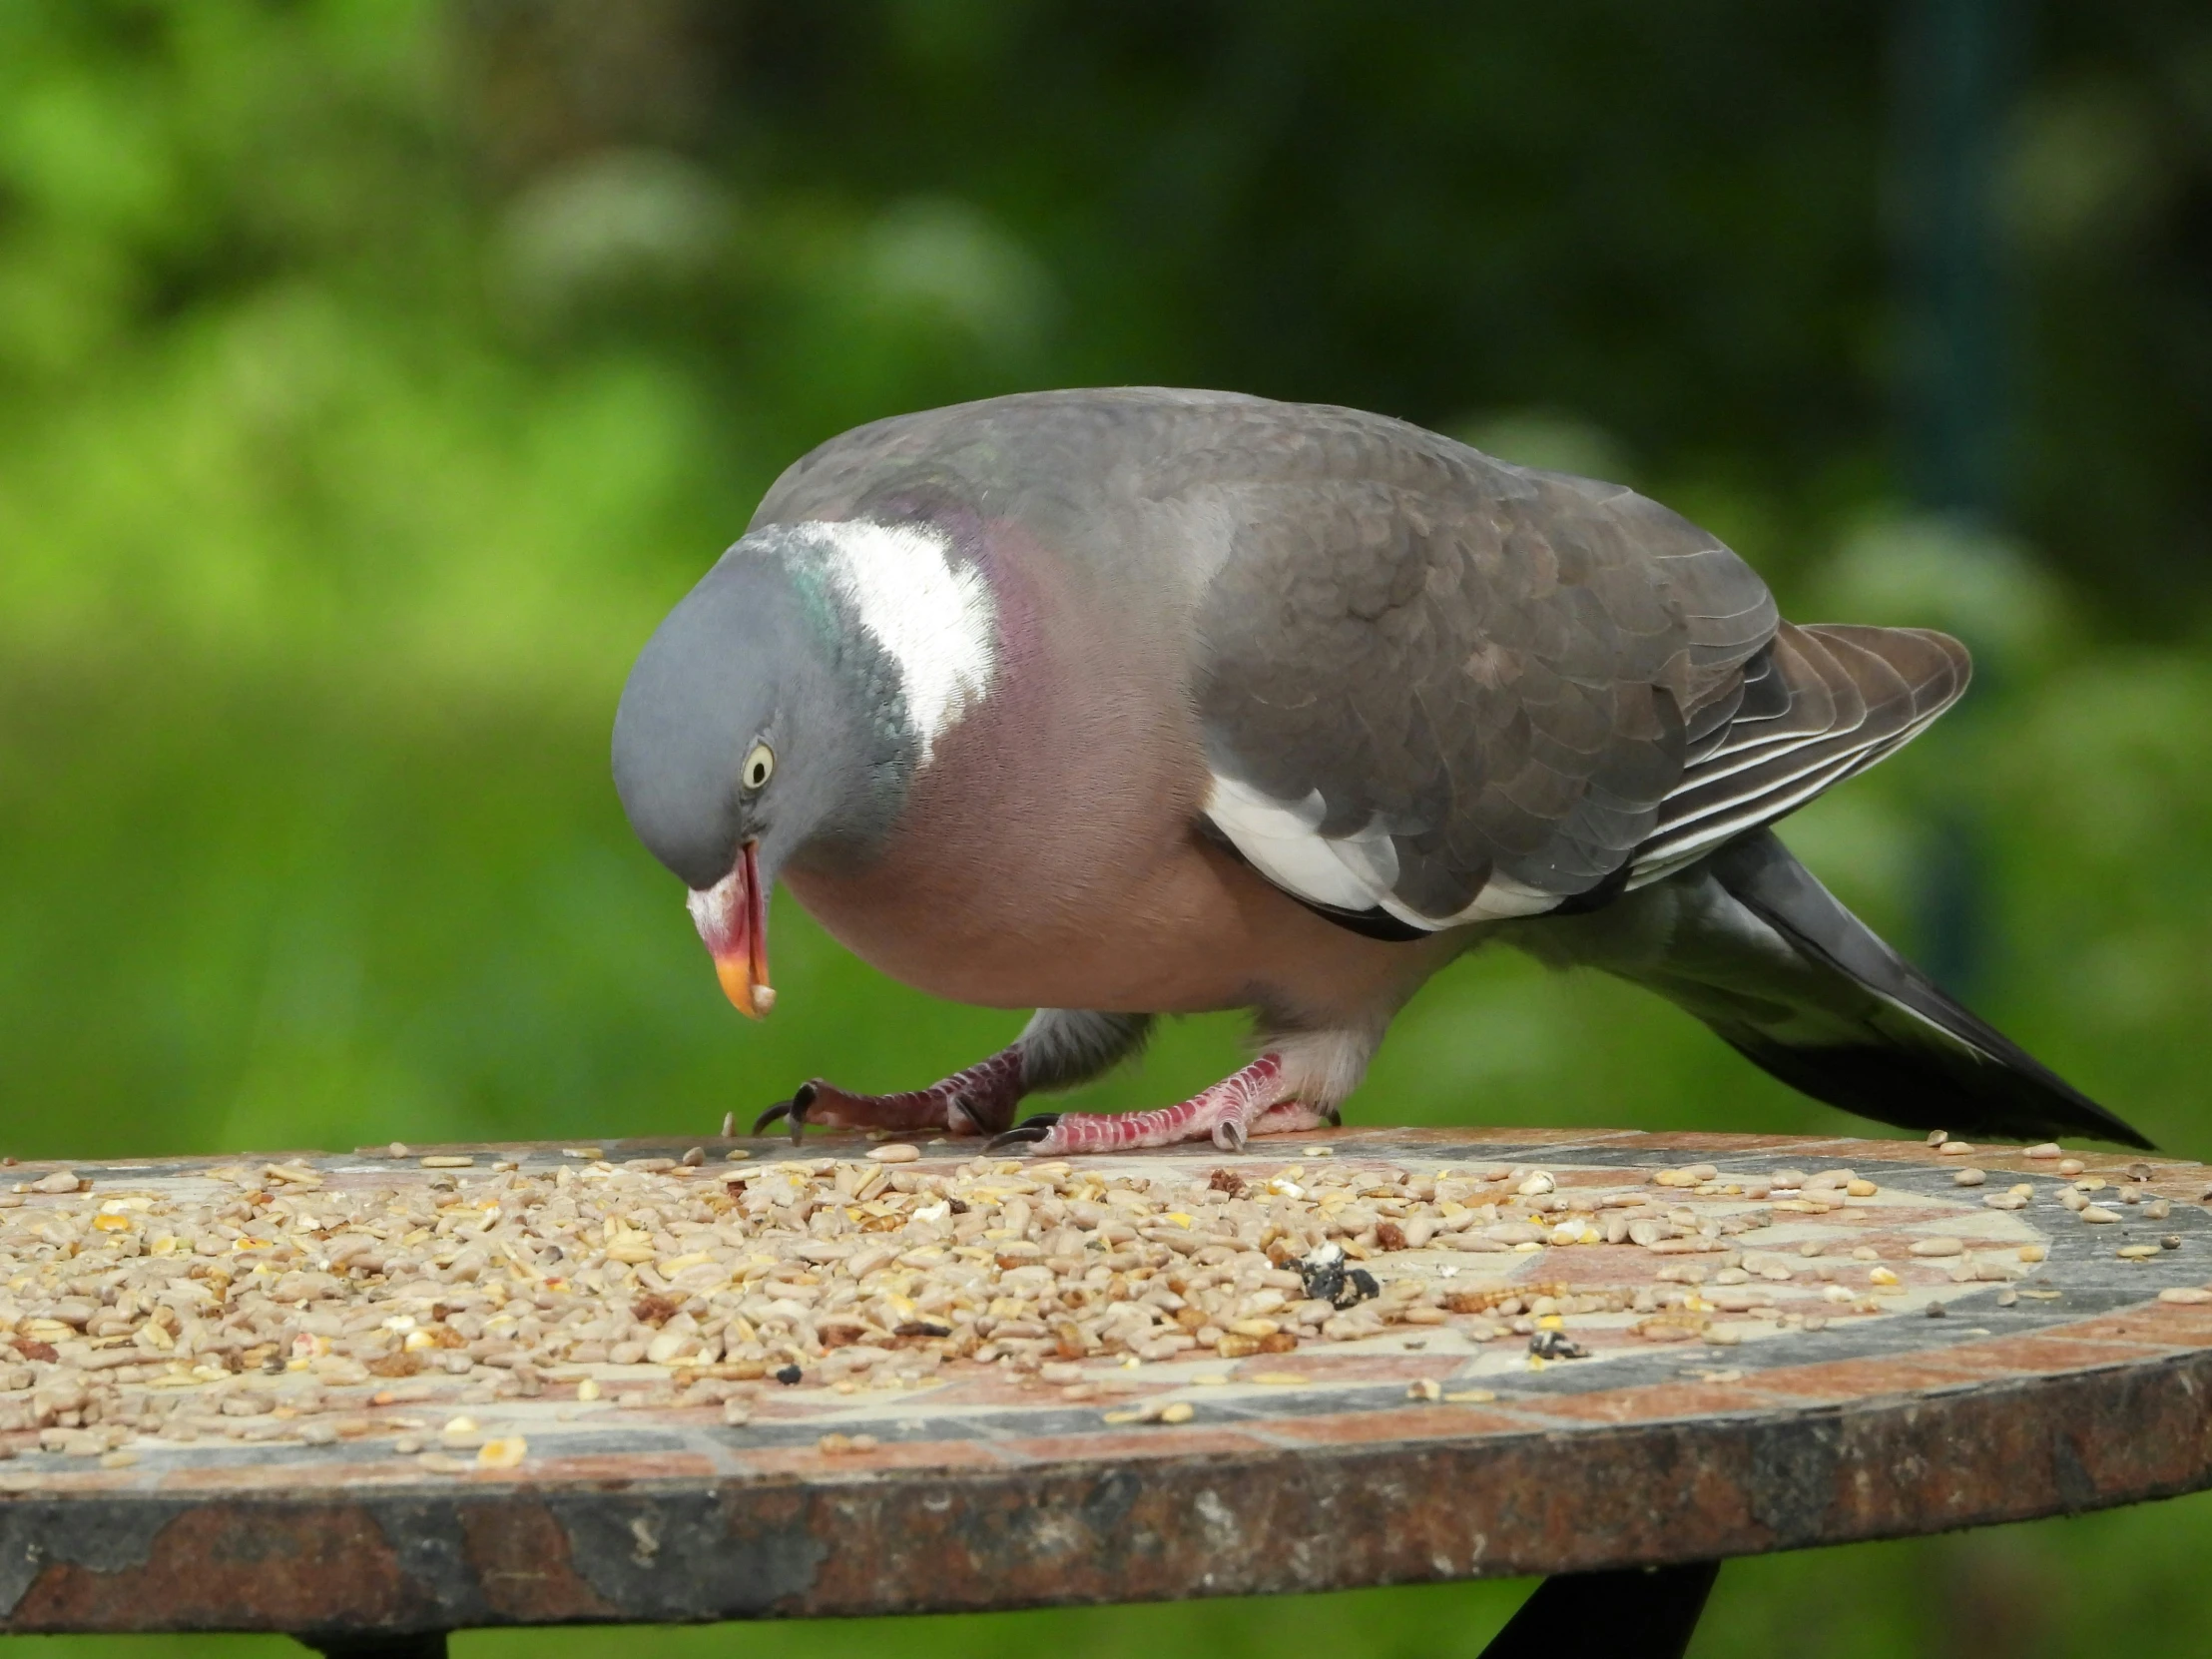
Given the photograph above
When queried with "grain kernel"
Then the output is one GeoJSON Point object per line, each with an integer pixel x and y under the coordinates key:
{"type": "Point", "coordinates": [505, 1453]}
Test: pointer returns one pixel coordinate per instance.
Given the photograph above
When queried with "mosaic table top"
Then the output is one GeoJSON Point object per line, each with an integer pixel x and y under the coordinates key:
{"type": "Point", "coordinates": [1891, 1339]}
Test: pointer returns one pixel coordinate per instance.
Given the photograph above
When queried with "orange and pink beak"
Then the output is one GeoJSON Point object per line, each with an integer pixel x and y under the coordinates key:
{"type": "Point", "coordinates": [731, 917]}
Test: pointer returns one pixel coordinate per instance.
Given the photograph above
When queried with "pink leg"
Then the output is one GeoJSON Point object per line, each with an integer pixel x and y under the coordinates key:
{"type": "Point", "coordinates": [978, 1101]}
{"type": "Point", "coordinates": [1250, 1100]}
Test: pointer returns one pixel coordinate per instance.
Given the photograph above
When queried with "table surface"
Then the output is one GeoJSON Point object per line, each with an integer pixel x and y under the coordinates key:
{"type": "Point", "coordinates": [1772, 1415]}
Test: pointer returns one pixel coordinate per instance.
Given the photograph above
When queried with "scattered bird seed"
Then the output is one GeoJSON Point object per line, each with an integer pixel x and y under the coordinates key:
{"type": "Point", "coordinates": [2170, 1241]}
{"type": "Point", "coordinates": [1955, 1149]}
{"type": "Point", "coordinates": [1968, 1177]}
{"type": "Point", "coordinates": [282, 1283]}
{"type": "Point", "coordinates": [1424, 1388]}
{"type": "Point", "coordinates": [2045, 1149]}
{"type": "Point", "coordinates": [2097, 1214]}
{"type": "Point", "coordinates": [2070, 1166]}
{"type": "Point", "coordinates": [2185, 1294]}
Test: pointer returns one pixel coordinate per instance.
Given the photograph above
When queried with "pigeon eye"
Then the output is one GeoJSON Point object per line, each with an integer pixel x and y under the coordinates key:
{"type": "Point", "coordinates": [760, 766]}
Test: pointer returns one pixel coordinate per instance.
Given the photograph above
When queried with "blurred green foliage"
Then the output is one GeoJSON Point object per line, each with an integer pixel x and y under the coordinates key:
{"type": "Point", "coordinates": [373, 373]}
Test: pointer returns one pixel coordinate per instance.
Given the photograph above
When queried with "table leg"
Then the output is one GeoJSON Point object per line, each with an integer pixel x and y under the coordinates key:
{"type": "Point", "coordinates": [421, 1644]}
{"type": "Point", "coordinates": [1634, 1613]}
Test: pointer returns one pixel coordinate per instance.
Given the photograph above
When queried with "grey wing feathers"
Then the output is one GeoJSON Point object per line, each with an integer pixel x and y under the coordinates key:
{"type": "Point", "coordinates": [1821, 703]}
{"type": "Point", "coordinates": [1469, 686]}
{"type": "Point", "coordinates": [1437, 688]}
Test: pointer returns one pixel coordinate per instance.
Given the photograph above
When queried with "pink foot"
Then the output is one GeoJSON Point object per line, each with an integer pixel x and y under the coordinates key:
{"type": "Point", "coordinates": [978, 1101]}
{"type": "Point", "coordinates": [1247, 1104]}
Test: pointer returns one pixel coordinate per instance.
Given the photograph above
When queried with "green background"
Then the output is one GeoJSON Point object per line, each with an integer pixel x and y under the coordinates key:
{"type": "Point", "coordinates": [374, 373]}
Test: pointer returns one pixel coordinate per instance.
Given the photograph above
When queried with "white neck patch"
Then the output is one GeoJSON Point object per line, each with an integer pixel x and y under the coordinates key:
{"type": "Point", "coordinates": [935, 620]}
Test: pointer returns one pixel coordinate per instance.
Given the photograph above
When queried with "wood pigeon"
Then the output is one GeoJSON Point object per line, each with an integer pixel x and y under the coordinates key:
{"type": "Point", "coordinates": [1124, 703]}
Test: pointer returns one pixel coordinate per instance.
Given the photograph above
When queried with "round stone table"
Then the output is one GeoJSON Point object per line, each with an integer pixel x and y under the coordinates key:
{"type": "Point", "coordinates": [1864, 1383]}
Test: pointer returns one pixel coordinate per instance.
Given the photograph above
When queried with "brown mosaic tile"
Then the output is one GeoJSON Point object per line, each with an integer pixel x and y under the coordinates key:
{"type": "Point", "coordinates": [1857, 1379]}
{"type": "Point", "coordinates": [1438, 1419]}
{"type": "Point", "coordinates": [2050, 1354]}
{"type": "Point", "coordinates": [1658, 1405]}
{"type": "Point", "coordinates": [2160, 1322]}
{"type": "Point", "coordinates": [886, 1455]}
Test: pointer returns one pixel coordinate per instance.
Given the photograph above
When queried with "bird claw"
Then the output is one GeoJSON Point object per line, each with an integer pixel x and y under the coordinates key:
{"type": "Point", "coordinates": [1027, 1132]}
{"type": "Point", "coordinates": [961, 1117]}
{"type": "Point", "coordinates": [1229, 1134]}
{"type": "Point", "coordinates": [793, 1110]}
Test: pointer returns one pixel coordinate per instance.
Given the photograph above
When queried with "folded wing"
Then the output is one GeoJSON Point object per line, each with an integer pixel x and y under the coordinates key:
{"type": "Point", "coordinates": [1437, 688]}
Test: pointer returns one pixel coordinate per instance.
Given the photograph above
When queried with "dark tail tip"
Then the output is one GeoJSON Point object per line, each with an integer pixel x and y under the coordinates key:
{"type": "Point", "coordinates": [1906, 1053]}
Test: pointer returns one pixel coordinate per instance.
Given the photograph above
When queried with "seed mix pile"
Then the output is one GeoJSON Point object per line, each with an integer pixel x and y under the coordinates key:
{"type": "Point", "coordinates": [283, 1302]}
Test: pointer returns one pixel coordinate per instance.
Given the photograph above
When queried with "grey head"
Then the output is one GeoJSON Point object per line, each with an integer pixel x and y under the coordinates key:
{"type": "Point", "coordinates": [763, 711]}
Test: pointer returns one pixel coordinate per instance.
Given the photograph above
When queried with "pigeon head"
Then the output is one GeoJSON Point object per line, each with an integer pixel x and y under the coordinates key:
{"type": "Point", "coordinates": [782, 711]}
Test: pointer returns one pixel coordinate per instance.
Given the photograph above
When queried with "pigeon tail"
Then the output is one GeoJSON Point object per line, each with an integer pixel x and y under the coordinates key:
{"type": "Point", "coordinates": [1750, 942]}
